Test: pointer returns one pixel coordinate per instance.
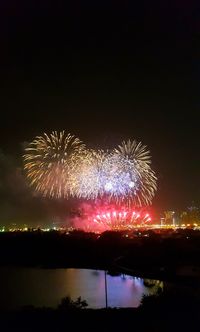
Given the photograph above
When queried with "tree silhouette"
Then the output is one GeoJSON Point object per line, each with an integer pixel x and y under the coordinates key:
{"type": "Point", "coordinates": [67, 303]}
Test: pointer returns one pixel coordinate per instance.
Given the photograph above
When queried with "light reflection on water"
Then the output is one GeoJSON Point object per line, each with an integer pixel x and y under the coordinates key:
{"type": "Point", "coordinates": [46, 287]}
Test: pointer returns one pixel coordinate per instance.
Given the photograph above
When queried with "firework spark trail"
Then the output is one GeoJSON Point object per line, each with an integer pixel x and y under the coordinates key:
{"type": "Point", "coordinates": [121, 219]}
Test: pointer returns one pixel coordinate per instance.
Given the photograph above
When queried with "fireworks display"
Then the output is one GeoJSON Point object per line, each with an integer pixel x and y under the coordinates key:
{"type": "Point", "coordinates": [119, 182]}
{"type": "Point", "coordinates": [59, 165]}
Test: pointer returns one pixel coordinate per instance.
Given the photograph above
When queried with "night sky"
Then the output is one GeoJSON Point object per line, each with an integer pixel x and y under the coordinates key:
{"type": "Point", "coordinates": [105, 71]}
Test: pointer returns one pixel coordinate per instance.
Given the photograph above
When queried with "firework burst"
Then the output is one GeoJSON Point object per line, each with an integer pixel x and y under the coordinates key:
{"type": "Point", "coordinates": [119, 177]}
{"type": "Point", "coordinates": [49, 161]}
{"type": "Point", "coordinates": [142, 180]}
{"type": "Point", "coordinates": [86, 177]}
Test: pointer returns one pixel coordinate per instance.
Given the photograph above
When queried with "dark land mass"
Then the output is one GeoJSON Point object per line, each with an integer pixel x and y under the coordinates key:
{"type": "Point", "coordinates": [167, 312]}
{"type": "Point", "coordinates": [166, 255]}
{"type": "Point", "coordinates": [147, 253]}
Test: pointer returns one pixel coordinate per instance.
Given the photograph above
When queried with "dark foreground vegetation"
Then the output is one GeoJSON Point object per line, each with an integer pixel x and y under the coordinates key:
{"type": "Point", "coordinates": [166, 312]}
{"type": "Point", "coordinates": [161, 255]}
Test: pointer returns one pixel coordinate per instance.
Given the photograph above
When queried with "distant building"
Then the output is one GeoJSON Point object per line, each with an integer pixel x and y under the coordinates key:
{"type": "Point", "coordinates": [190, 217]}
{"type": "Point", "coordinates": [169, 218]}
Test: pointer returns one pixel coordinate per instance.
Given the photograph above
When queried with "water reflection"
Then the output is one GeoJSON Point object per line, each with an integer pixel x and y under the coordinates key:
{"type": "Point", "coordinates": [46, 287]}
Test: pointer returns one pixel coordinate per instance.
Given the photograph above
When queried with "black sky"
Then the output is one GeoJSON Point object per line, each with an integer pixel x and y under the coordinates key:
{"type": "Point", "coordinates": [106, 71]}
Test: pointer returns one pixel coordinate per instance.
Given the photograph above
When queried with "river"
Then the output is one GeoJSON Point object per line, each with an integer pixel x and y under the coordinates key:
{"type": "Point", "coordinates": [46, 287]}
